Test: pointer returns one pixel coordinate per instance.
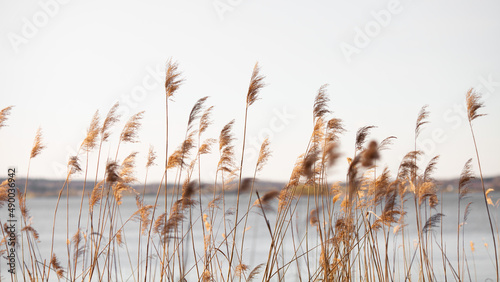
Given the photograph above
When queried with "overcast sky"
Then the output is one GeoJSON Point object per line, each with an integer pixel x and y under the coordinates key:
{"type": "Point", "coordinates": [383, 60]}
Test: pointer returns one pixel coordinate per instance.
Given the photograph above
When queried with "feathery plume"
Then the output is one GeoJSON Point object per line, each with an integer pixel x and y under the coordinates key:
{"type": "Point", "coordinates": [473, 104]}
{"type": "Point", "coordinates": [384, 145]}
{"type": "Point", "coordinates": [226, 149]}
{"type": "Point", "coordinates": [151, 157]}
{"type": "Point", "coordinates": [266, 199]}
{"type": "Point", "coordinates": [90, 141]}
{"type": "Point", "coordinates": [334, 128]}
{"type": "Point", "coordinates": [32, 230]}
{"type": "Point", "coordinates": [465, 177]}
{"type": "Point", "coordinates": [321, 103]}
{"type": "Point", "coordinates": [255, 272]}
{"type": "Point", "coordinates": [119, 238]}
{"type": "Point", "coordinates": [96, 195]}
{"type": "Point", "coordinates": [126, 174]}
{"type": "Point", "coordinates": [4, 114]}
{"type": "Point", "coordinates": [178, 157]}
{"type": "Point", "coordinates": [431, 166]}
{"type": "Point", "coordinates": [264, 154]}
{"type": "Point", "coordinates": [54, 262]}
{"type": "Point", "coordinates": [241, 269]}
{"type": "Point", "coordinates": [206, 146]}
{"type": "Point", "coordinates": [421, 119]}
{"type": "Point", "coordinates": [205, 120]}
{"type": "Point", "coordinates": [74, 165]}
{"type": "Point", "coordinates": [129, 132]}
{"type": "Point", "coordinates": [37, 144]}
{"type": "Point", "coordinates": [110, 119]}
{"type": "Point", "coordinates": [4, 195]}
{"type": "Point", "coordinates": [173, 78]}
{"type": "Point", "coordinates": [407, 165]}
{"type": "Point", "coordinates": [256, 83]}
{"type": "Point", "coordinates": [195, 111]}
{"type": "Point", "coordinates": [188, 191]}
{"type": "Point", "coordinates": [432, 222]}
{"type": "Point", "coordinates": [112, 175]}
{"type": "Point", "coordinates": [361, 135]}
{"type": "Point", "coordinates": [22, 204]}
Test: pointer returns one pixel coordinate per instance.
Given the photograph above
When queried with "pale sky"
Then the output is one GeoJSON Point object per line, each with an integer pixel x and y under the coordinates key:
{"type": "Point", "coordinates": [383, 60]}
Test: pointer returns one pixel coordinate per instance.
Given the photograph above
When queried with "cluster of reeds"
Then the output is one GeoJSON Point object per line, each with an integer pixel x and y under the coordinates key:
{"type": "Point", "coordinates": [357, 229]}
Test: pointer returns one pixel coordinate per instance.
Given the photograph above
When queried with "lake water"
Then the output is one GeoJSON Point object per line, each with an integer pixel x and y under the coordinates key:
{"type": "Point", "coordinates": [257, 240]}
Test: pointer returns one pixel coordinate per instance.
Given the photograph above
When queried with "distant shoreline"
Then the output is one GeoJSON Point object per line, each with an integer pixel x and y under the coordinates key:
{"type": "Point", "coordinates": [48, 187]}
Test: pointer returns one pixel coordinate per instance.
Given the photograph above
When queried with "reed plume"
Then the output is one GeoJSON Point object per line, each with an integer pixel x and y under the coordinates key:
{"type": "Point", "coordinates": [421, 119]}
{"type": "Point", "coordinates": [4, 113]}
{"type": "Point", "coordinates": [151, 157]}
{"type": "Point", "coordinates": [195, 111]}
{"type": "Point", "coordinates": [111, 118]}
{"type": "Point", "coordinates": [129, 132]}
{"type": "Point", "coordinates": [265, 200]}
{"type": "Point", "coordinates": [432, 222]}
{"type": "Point", "coordinates": [473, 105]}
{"type": "Point", "coordinates": [361, 135]}
{"type": "Point", "coordinates": [264, 154]}
{"type": "Point", "coordinates": [90, 141]}
{"type": "Point", "coordinates": [226, 149]}
{"type": "Point", "coordinates": [430, 168]}
{"type": "Point", "coordinates": [38, 146]}
{"type": "Point", "coordinates": [56, 266]}
{"type": "Point", "coordinates": [256, 84]}
{"type": "Point", "coordinates": [4, 195]}
{"type": "Point", "coordinates": [205, 120]}
{"type": "Point", "coordinates": [321, 101]}
{"type": "Point", "coordinates": [173, 78]}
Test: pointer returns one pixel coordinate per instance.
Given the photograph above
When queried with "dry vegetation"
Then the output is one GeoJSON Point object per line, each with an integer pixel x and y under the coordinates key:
{"type": "Point", "coordinates": [351, 227]}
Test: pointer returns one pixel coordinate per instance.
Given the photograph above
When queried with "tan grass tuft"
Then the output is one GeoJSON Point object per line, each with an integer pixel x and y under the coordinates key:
{"type": "Point", "coordinates": [195, 111]}
{"type": "Point", "coordinates": [205, 120]}
{"type": "Point", "coordinates": [112, 175]}
{"type": "Point", "coordinates": [421, 119]}
{"type": "Point", "coordinates": [54, 263]}
{"type": "Point", "coordinates": [37, 144]}
{"type": "Point", "coordinates": [473, 104]}
{"type": "Point", "coordinates": [151, 157]}
{"type": "Point", "coordinates": [321, 101]}
{"type": "Point", "coordinates": [240, 269]}
{"type": "Point", "coordinates": [4, 195]}
{"type": "Point", "coordinates": [173, 78]}
{"type": "Point", "coordinates": [264, 154]}
{"type": "Point", "coordinates": [256, 83]}
{"type": "Point", "coordinates": [129, 132]}
{"type": "Point", "coordinates": [361, 135]}
{"type": "Point", "coordinates": [206, 146]}
{"type": "Point", "coordinates": [96, 195]}
{"type": "Point", "coordinates": [90, 141]}
{"type": "Point", "coordinates": [74, 165]}
{"type": "Point", "coordinates": [110, 119]}
{"type": "Point", "coordinates": [255, 272]}
{"type": "Point", "coordinates": [465, 177]}
{"type": "Point", "coordinates": [4, 113]}
{"type": "Point", "coordinates": [119, 238]}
